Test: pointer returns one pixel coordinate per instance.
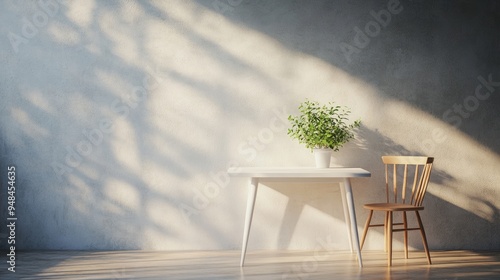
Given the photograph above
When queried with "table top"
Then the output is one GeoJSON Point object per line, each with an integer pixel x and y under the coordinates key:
{"type": "Point", "coordinates": [298, 172]}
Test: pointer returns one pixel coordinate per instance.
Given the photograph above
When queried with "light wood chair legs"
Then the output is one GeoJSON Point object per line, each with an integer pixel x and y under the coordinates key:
{"type": "Point", "coordinates": [365, 231]}
{"type": "Point", "coordinates": [388, 232]}
{"type": "Point", "coordinates": [389, 238]}
{"type": "Point", "coordinates": [405, 226]}
{"type": "Point", "coordinates": [424, 238]}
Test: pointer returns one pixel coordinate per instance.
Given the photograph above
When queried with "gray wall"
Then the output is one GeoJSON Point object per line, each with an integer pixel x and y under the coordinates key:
{"type": "Point", "coordinates": [122, 117]}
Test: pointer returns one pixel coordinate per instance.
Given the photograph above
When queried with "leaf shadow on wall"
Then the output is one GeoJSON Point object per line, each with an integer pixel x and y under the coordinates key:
{"type": "Point", "coordinates": [432, 60]}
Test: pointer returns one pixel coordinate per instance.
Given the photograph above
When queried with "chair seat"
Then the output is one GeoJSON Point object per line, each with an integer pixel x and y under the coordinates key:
{"type": "Point", "coordinates": [392, 207]}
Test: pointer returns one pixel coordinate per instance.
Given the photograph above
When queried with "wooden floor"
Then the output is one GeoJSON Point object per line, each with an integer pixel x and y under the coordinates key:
{"type": "Point", "coordinates": [259, 265]}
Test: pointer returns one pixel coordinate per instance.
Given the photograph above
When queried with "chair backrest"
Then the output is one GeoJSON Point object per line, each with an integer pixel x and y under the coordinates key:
{"type": "Point", "coordinates": [403, 169]}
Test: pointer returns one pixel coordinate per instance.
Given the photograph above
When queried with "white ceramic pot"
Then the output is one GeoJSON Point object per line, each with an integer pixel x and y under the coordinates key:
{"type": "Point", "coordinates": [322, 157]}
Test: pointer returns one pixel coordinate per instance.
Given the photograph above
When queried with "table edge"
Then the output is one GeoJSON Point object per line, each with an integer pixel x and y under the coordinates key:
{"type": "Point", "coordinates": [308, 172]}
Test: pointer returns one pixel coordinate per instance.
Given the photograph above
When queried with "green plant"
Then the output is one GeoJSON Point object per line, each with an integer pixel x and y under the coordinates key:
{"type": "Point", "coordinates": [322, 126]}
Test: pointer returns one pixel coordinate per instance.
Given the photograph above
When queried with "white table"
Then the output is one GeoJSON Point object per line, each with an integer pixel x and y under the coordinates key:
{"type": "Point", "coordinates": [302, 174]}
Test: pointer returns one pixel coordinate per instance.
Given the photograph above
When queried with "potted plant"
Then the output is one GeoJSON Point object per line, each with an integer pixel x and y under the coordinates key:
{"type": "Point", "coordinates": [322, 128]}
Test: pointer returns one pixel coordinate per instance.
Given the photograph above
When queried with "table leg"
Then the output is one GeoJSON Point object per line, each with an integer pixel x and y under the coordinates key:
{"type": "Point", "coordinates": [252, 194]}
{"type": "Point", "coordinates": [346, 215]}
{"type": "Point", "coordinates": [352, 214]}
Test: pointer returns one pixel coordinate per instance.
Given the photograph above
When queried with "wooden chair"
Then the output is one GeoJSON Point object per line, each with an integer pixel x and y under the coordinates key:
{"type": "Point", "coordinates": [416, 169]}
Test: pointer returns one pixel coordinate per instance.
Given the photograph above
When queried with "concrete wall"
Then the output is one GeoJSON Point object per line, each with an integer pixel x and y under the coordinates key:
{"type": "Point", "coordinates": [122, 117]}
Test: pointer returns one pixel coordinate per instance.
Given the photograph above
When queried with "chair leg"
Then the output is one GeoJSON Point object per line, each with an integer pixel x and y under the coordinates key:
{"type": "Point", "coordinates": [386, 234]}
{"type": "Point", "coordinates": [405, 225]}
{"type": "Point", "coordinates": [424, 239]}
{"type": "Point", "coordinates": [389, 239]}
{"type": "Point", "coordinates": [365, 231]}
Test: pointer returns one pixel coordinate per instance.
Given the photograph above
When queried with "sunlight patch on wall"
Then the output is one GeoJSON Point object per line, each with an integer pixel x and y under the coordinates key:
{"type": "Point", "coordinates": [114, 83]}
{"type": "Point", "coordinates": [38, 100]}
{"type": "Point", "coordinates": [122, 196]}
{"type": "Point", "coordinates": [91, 171]}
{"type": "Point", "coordinates": [82, 14]}
{"type": "Point", "coordinates": [153, 239]}
{"type": "Point", "coordinates": [64, 34]}
{"type": "Point", "coordinates": [124, 42]}
{"type": "Point", "coordinates": [124, 146]}
{"type": "Point", "coordinates": [80, 107]}
{"type": "Point", "coordinates": [29, 126]}
{"type": "Point", "coordinates": [78, 190]}
{"type": "Point", "coordinates": [156, 208]}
